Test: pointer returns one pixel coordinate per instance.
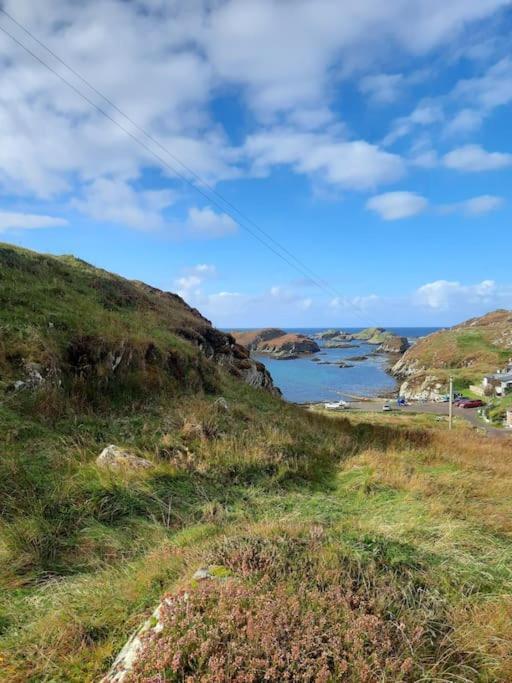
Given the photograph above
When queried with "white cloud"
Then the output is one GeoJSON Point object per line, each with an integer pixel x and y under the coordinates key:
{"type": "Point", "coordinates": [476, 206]}
{"type": "Point", "coordinates": [116, 201]}
{"type": "Point", "coordinates": [27, 221]}
{"type": "Point", "coordinates": [387, 88]}
{"type": "Point", "coordinates": [425, 114]}
{"type": "Point", "coordinates": [465, 121]}
{"type": "Point", "coordinates": [348, 164]}
{"type": "Point", "coordinates": [392, 206]}
{"type": "Point", "coordinates": [444, 294]}
{"type": "Point", "coordinates": [191, 51]}
{"type": "Point", "coordinates": [474, 158]}
{"type": "Point", "coordinates": [492, 89]}
{"type": "Point", "coordinates": [207, 223]}
{"type": "Point", "coordinates": [189, 284]}
{"type": "Point", "coordinates": [382, 88]}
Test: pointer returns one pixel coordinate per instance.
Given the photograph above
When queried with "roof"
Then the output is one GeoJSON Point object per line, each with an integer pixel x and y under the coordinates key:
{"type": "Point", "coordinates": [501, 376]}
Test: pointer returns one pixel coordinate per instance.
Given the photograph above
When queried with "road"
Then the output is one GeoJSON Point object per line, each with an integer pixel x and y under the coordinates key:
{"type": "Point", "coordinates": [469, 414]}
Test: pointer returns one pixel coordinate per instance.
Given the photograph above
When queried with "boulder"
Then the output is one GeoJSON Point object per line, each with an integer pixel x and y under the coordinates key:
{"type": "Point", "coordinates": [114, 457]}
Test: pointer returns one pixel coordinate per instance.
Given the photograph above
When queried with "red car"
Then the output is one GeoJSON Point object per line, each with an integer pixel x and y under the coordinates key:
{"type": "Point", "coordinates": [461, 401]}
{"type": "Point", "coordinates": [477, 403]}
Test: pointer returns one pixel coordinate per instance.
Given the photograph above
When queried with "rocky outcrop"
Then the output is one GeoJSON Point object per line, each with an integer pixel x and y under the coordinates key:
{"type": "Point", "coordinates": [335, 344]}
{"type": "Point", "coordinates": [333, 334]}
{"type": "Point", "coordinates": [394, 344]}
{"type": "Point", "coordinates": [114, 457]}
{"type": "Point", "coordinates": [277, 343]}
{"type": "Point", "coordinates": [253, 338]}
{"type": "Point", "coordinates": [370, 333]}
{"type": "Point", "coordinates": [289, 346]}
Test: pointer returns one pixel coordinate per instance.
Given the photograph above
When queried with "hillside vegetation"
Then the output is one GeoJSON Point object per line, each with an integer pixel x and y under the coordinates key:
{"type": "Point", "coordinates": [338, 549]}
{"type": "Point", "coordinates": [466, 351]}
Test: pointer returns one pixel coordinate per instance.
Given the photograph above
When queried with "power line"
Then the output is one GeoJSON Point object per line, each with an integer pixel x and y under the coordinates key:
{"type": "Point", "coordinates": [302, 268]}
{"type": "Point", "coordinates": [162, 147]}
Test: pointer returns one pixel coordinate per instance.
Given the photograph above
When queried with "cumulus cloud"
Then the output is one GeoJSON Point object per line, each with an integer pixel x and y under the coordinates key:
{"type": "Point", "coordinates": [474, 158]}
{"type": "Point", "coordinates": [207, 223]}
{"type": "Point", "coordinates": [392, 206]}
{"type": "Point", "coordinates": [354, 165]}
{"type": "Point", "coordinates": [190, 52]}
{"type": "Point", "coordinates": [443, 294]}
{"type": "Point", "coordinates": [27, 221]}
{"type": "Point", "coordinates": [116, 201]}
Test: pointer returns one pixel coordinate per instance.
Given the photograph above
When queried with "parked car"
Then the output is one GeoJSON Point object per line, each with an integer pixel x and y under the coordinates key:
{"type": "Point", "coordinates": [386, 407]}
{"type": "Point", "coordinates": [337, 405]}
{"type": "Point", "coordinates": [477, 403]}
{"type": "Point", "coordinates": [462, 399]}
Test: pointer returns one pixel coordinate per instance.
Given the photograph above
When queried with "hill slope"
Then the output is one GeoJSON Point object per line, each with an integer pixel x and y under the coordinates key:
{"type": "Point", "coordinates": [372, 548]}
{"type": "Point", "coordinates": [467, 351]}
{"type": "Point", "coordinates": [66, 324]}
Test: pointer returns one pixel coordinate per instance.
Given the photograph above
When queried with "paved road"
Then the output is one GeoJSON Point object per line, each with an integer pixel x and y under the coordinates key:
{"type": "Point", "coordinates": [469, 414]}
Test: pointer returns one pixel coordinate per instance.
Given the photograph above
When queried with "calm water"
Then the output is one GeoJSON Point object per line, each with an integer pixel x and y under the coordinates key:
{"type": "Point", "coordinates": [302, 380]}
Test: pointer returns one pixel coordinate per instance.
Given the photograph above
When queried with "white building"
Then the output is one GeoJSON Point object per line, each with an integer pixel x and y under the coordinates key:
{"type": "Point", "coordinates": [500, 383]}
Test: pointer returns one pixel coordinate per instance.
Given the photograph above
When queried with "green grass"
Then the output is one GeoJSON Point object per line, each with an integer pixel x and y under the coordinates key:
{"type": "Point", "coordinates": [343, 547]}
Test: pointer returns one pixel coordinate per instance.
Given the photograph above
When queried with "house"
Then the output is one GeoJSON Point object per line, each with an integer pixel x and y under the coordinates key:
{"type": "Point", "coordinates": [500, 383]}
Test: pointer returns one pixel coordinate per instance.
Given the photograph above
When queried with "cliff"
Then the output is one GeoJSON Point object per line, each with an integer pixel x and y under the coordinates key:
{"type": "Point", "coordinates": [467, 351]}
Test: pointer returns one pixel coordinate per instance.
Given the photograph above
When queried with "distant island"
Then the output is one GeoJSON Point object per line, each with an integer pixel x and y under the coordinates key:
{"type": "Point", "coordinates": [277, 343]}
{"type": "Point", "coordinates": [282, 345]}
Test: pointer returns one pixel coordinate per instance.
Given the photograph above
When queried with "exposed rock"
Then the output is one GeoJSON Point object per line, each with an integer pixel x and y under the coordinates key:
{"type": "Point", "coordinates": [277, 343]}
{"type": "Point", "coordinates": [202, 574]}
{"type": "Point", "coordinates": [252, 339]}
{"type": "Point", "coordinates": [117, 458]}
{"type": "Point", "coordinates": [333, 334]}
{"type": "Point", "coordinates": [394, 344]}
{"type": "Point", "coordinates": [221, 404]}
{"type": "Point", "coordinates": [33, 377]}
{"type": "Point", "coordinates": [335, 344]}
{"type": "Point", "coordinates": [344, 365]}
{"type": "Point", "coordinates": [358, 358]}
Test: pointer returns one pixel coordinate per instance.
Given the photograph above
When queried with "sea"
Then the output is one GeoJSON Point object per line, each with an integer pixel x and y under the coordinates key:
{"type": "Point", "coordinates": [303, 380]}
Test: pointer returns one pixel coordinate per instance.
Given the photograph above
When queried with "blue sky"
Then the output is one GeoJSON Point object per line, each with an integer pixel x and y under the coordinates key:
{"type": "Point", "coordinates": [372, 140]}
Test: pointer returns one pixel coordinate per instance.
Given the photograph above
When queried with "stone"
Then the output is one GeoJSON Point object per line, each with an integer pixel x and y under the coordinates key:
{"type": "Point", "coordinates": [202, 574]}
{"type": "Point", "coordinates": [115, 457]}
{"type": "Point", "coordinates": [221, 404]}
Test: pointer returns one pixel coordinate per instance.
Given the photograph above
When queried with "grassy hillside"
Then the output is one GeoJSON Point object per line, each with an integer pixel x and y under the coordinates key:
{"type": "Point", "coordinates": [361, 549]}
{"type": "Point", "coordinates": [466, 351]}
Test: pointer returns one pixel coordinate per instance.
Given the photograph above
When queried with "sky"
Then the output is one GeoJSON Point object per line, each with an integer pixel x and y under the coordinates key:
{"type": "Point", "coordinates": [300, 163]}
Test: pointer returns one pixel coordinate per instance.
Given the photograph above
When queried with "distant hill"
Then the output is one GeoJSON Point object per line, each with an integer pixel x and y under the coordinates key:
{"type": "Point", "coordinates": [83, 331]}
{"type": "Point", "coordinates": [467, 351]}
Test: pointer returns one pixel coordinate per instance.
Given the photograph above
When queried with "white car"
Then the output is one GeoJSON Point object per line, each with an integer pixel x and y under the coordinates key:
{"type": "Point", "coordinates": [386, 407]}
{"type": "Point", "coordinates": [337, 405]}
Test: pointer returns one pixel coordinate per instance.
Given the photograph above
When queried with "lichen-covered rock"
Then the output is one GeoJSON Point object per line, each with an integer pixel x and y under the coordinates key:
{"type": "Point", "coordinates": [117, 458]}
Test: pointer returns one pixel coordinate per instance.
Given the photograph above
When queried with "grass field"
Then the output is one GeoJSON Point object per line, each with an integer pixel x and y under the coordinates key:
{"type": "Point", "coordinates": [360, 550]}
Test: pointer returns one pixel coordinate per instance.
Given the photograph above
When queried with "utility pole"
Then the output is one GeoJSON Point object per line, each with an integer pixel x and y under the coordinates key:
{"type": "Point", "coordinates": [450, 409]}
